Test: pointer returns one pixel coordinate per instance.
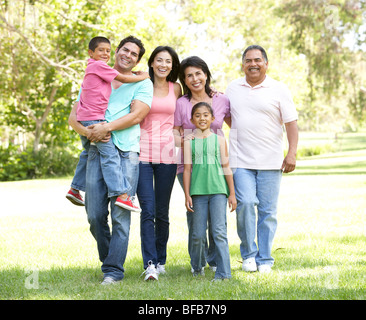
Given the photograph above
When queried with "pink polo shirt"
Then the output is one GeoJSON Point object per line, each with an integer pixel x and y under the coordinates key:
{"type": "Point", "coordinates": [96, 89]}
{"type": "Point", "coordinates": [257, 117]}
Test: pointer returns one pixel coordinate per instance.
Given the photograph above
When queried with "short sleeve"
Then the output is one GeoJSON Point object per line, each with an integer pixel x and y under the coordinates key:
{"type": "Point", "coordinates": [287, 105]}
{"type": "Point", "coordinates": [145, 92]}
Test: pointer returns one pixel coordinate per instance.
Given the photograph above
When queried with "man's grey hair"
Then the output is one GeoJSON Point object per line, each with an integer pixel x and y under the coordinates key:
{"type": "Point", "coordinates": [256, 47]}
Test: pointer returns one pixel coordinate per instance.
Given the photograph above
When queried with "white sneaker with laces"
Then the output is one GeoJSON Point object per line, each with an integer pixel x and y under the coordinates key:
{"type": "Point", "coordinates": [264, 268]}
{"type": "Point", "coordinates": [160, 268]}
{"type": "Point", "coordinates": [249, 265]}
{"type": "Point", "coordinates": [150, 272]}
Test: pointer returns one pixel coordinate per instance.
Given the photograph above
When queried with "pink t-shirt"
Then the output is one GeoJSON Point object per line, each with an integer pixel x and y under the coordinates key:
{"type": "Point", "coordinates": [96, 89]}
{"type": "Point", "coordinates": [157, 139]}
{"type": "Point", "coordinates": [182, 118]}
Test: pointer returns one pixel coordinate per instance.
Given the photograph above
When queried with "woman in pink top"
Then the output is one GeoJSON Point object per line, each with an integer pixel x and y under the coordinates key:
{"type": "Point", "coordinates": [195, 78]}
{"type": "Point", "coordinates": [158, 163]}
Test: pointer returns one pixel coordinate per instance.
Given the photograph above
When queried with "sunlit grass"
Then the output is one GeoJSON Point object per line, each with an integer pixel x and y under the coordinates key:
{"type": "Point", "coordinates": [47, 251]}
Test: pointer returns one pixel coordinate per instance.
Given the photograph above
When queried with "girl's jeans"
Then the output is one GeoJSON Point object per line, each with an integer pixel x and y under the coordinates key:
{"type": "Point", "coordinates": [209, 252]}
{"type": "Point", "coordinates": [214, 204]}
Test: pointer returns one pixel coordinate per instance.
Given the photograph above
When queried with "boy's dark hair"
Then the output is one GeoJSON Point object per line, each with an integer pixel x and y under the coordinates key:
{"type": "Point", "coordinates": [256, 47]}
{"type": "Point", "coordinates": [173, 75]}
{"type": "Point", "coordinates": [197, 62]}
{"type": "Point", "coordinates": [135, 41]}
{"type": "Point", "coordinates": [95, 42]}
{"type": "Point", "coordinates": [201, 104]}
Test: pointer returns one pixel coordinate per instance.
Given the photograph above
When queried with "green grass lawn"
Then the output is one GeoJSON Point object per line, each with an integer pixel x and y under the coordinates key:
{"type": "Point", "coordinates": [47, 251]}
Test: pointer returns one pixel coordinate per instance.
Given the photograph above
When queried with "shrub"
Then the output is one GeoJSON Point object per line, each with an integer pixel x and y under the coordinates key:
{"type": "Point", "coordinates": [314, 150]}
{"type": "Point", "coordinates": [48, 162]}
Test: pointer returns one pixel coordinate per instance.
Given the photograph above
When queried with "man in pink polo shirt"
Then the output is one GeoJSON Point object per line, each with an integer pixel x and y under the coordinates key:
{"type": "Point", "coordinates": [260, 106]}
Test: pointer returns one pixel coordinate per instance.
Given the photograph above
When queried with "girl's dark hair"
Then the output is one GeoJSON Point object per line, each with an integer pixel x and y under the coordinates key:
{"type": "Point", "coordinates": [173, 75]}
{"type": "Point", "coordinates": [197, 62]}
{"type": "Point", "coordinates": [95, 42]}
{"type": "Point", "coordinates": [201, 104]}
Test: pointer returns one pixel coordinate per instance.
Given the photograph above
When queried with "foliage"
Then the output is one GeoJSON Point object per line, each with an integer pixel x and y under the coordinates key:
{"type": "Point", "coordinates": [44, 54]}
{"type": "Point", "coordinates": [319, 30]}
{"type": "Point", "coordinates": [20, 165]}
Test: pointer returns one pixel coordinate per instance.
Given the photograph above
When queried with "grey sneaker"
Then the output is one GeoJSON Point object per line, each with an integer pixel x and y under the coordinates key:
{"type": "Point", "coordinates": [213, 268]}
{"type": "Point", "coordinates": [108, 281]}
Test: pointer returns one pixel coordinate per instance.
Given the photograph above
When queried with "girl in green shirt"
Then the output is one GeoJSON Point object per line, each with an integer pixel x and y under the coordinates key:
{"type": "Point", "coordinates": [208, 186]}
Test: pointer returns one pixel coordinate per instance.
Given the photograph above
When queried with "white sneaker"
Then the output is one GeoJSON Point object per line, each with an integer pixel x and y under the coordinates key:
{"type": "Point", "coordinates": [107, 281]}
{"type": "Point", "coordinates": [160, 268]}
{"type": "Point", "coordinates": [264, 268]}
{"type": "Point", "coordinates": [150, 272]}
{"type": "Point", "coordinates": [213, 268]}
{"type": "Point", "coordinates": [249, 265]}
{"type": "Point", "coordinates": [198, 273]}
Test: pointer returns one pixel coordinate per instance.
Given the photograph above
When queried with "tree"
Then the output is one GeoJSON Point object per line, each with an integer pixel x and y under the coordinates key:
{"type": "Point", "coordinates": [319, 31]}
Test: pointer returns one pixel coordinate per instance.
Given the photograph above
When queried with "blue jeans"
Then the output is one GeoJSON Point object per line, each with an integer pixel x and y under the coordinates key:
{"type": "Point", "coordinates": [215, 206]}
{"type": "Point", "coordinates": [112, 244]}
{"type": "Point", "coordinates": [209, 253]}
{"type": "Point", "coordinates": [257, 188]}
{"type": "Point", "coordinates": [116, 182]}
{"type": "Point", "coordinates": [154, 189]}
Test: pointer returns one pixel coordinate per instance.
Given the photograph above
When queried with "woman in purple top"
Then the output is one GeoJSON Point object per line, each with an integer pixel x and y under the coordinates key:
{"type": "Point", "coordinates": [195, 78]}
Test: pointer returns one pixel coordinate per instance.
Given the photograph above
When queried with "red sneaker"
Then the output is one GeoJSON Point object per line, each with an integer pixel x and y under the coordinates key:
{"type": "Point", "coordinates": [127, 204]}
{"type": "Point", "coordinates": [75, 198]}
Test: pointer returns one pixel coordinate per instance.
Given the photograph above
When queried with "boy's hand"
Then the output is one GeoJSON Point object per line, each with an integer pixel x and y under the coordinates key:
{"type": "Point", "coordinates": [141, 74]}
{"type": "Point", "coordinates": [232, 202]}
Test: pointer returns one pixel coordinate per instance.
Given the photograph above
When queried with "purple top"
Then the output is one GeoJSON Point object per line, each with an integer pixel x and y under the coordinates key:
{"type": "Point", "coordinates": [182, 118]}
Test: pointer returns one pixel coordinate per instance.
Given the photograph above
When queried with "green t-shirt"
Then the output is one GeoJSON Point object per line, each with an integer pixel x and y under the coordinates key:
{"type": "Point", "coordinates": [207, 174]}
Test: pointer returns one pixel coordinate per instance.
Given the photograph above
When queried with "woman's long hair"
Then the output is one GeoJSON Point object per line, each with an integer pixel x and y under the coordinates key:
{"type": "Point", "coordinates": [173, 75]}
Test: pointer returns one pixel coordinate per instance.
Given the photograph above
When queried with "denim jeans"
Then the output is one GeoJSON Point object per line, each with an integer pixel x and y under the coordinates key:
{"type": "Point", "coordinates": [215, 205]}
{"type": "Point", "coordinates": [209, 252]}
{"type": "Point", "coordinates": [154, 189]}
{"type": "Point", "coordinates": [112, 244]}
{"type": "Point", "coordinates": [117, 183]}
{"type": "Point", "coordinates": [257, 188]}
